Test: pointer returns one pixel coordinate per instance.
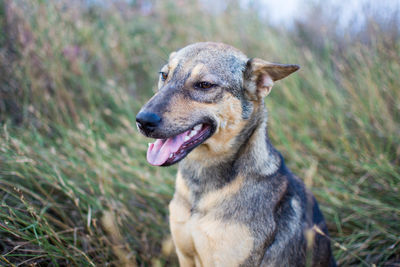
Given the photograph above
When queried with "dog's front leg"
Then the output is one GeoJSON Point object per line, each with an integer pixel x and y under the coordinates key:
{"type": "Point", "coordinates": [185, 260]}
{"type": "Point", "coordinates": [180, 230]}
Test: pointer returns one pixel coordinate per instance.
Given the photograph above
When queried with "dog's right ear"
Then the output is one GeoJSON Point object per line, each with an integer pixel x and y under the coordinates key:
{"type": "Point", "coordinates": [260, 75]}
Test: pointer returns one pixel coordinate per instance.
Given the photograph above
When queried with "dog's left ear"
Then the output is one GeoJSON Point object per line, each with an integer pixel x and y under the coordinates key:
{"type": "Point", "coordinates": [260, 75]}
{"type": "Point", "coordinates": [171, 55]}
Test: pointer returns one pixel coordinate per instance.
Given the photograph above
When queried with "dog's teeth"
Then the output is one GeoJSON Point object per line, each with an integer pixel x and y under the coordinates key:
{"type": "Point", "coordinates": [187, 138]}
{"type": "Point", "coordinates": [171, 155]}
{"type": "Point", "coordinates": [198, 127]}
{"type": "Point", "coordinates": [192, 133]}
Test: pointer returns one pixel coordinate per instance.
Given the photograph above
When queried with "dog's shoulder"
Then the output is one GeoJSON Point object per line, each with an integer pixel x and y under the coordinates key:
{"type": "Point", "coordinates": [298, 199]}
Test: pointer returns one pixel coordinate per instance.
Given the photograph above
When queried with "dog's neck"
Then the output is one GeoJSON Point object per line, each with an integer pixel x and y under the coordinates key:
{"type": "Point", "coordinates": [255, 157]}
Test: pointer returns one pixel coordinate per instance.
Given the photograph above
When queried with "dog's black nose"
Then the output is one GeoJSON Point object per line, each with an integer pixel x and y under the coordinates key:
{"type": "Point", "coordinates": [147, 121]}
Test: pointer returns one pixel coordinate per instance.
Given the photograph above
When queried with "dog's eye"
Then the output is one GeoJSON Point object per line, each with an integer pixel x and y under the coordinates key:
{"type": "Point", "coordinates": [164, 75]}
{"type": "Point", "coordinates": [204, 85]}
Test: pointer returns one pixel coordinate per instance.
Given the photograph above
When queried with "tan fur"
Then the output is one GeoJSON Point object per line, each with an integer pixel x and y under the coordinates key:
{"type": "Point", "coordinates": [180, 108]}
{"type": "Point", "coordinates": [179, 209]}
{"type": "Point", "coordinates": [197, 71]}
{"type": "Point", "coordinates": [172, 64]}
{"type": "Point", "coordinates": [228, 116]}
{"type": "Point", "coordinates": [172, 55]}
{"type": "Point", "coordinates": [214, 198]}
{"type": "Point", "coordinates": [181, 187]}
{"type": "Point", "coordinates": [214, 239]}
{"type": "Point", "coordinates": [203, 240]}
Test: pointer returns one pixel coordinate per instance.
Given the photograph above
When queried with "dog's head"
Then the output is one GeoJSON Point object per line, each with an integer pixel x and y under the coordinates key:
{"type": "Point", "coordinates": [207, 93]}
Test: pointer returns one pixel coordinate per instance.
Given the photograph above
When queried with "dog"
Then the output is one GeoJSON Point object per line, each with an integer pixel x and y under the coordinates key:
{"type": "Point", "coordinates": [236, 203]}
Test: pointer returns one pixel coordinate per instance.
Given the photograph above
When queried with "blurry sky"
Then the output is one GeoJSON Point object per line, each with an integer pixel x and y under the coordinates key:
{"type": "Point", "coordinates": [347, 13]}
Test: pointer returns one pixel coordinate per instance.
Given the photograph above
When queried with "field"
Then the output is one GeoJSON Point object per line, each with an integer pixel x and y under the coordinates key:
{"type": "Point", "coordinates": [75, 187]}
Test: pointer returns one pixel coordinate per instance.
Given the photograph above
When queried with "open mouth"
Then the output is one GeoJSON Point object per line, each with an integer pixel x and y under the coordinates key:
{"type": "Point", "coordinates": [165, 152]}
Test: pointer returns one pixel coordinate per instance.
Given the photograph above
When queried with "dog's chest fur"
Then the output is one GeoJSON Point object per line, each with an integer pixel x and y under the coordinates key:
{"type": "Point", "coordinates": [228, 226]}
{"type": "Point", "coordinates": [200, 234]}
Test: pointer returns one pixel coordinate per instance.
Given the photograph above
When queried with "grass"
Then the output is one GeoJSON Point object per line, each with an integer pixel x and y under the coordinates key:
{"type": "Point", "coordinates": [75, 188]}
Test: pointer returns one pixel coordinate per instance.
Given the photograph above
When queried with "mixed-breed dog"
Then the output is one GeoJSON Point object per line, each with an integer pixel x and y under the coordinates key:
{"type": "Point", "coordinates": [235, 203]}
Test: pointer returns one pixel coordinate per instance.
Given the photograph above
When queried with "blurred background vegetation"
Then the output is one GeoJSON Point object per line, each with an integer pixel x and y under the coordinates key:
{"type": "Point", "coordinates": [75, 188]}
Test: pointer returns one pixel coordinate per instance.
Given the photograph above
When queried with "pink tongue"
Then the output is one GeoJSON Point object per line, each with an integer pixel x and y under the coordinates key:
{"type": "Point", "coordinates": [158, 152]}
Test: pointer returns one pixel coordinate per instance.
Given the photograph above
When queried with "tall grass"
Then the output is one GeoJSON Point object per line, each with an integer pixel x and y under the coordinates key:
{"type": "Point", "coordinates": [75, 188]}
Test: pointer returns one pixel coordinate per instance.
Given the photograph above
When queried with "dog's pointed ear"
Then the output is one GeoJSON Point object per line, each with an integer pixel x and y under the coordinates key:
{"type": "Point", "coordinates": [260, 75]}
